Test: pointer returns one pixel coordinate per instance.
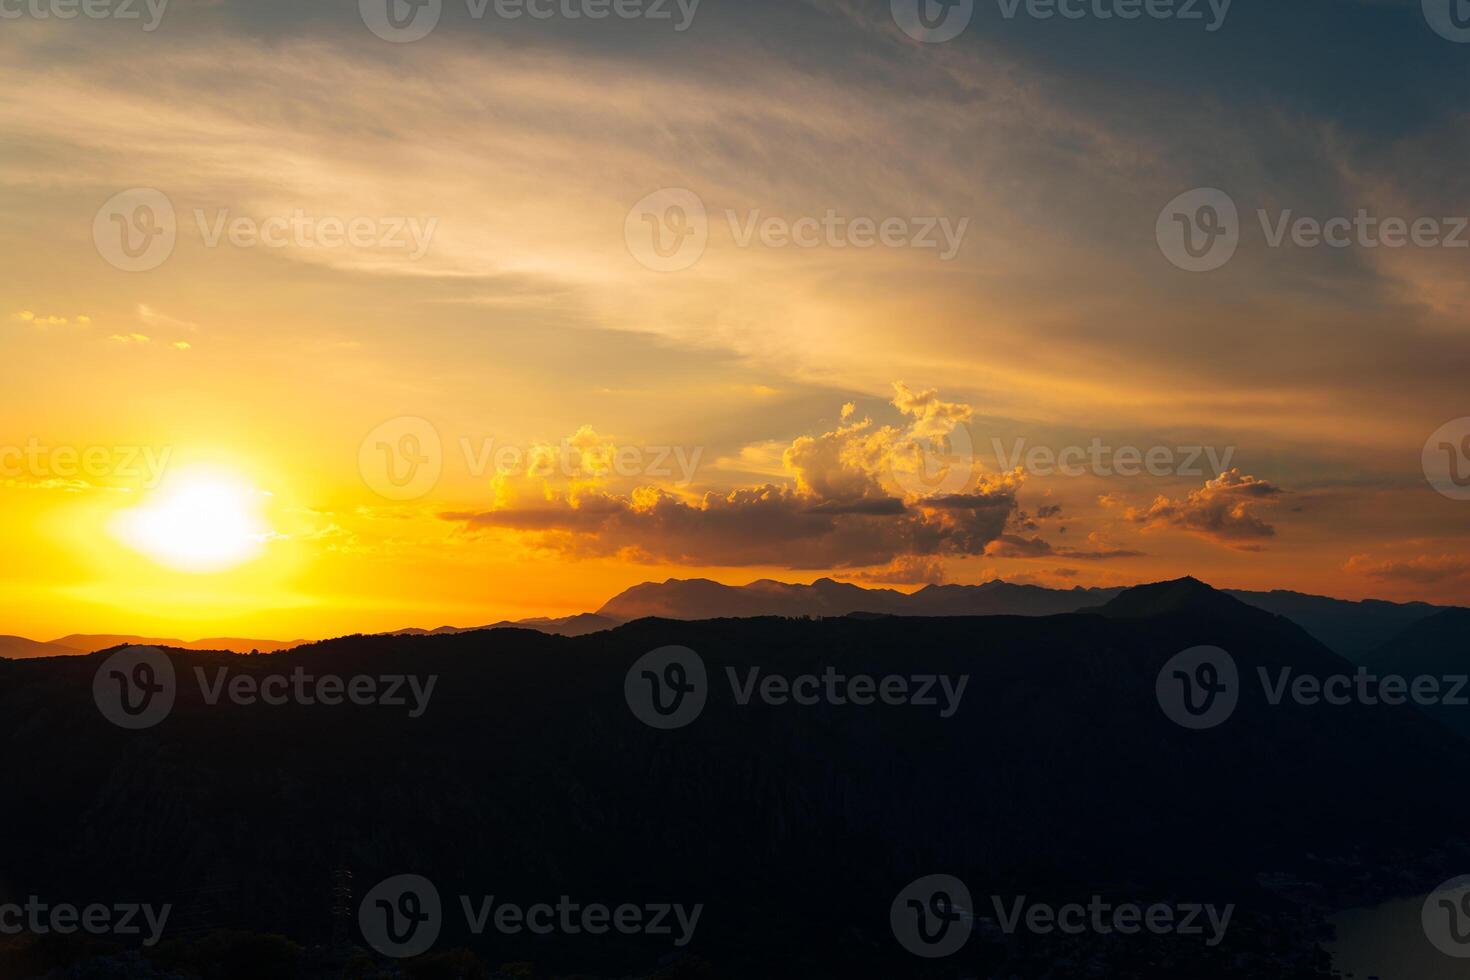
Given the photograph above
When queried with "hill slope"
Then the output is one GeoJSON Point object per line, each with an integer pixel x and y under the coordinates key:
{"type": "Point", "coordinates": [528, 777]}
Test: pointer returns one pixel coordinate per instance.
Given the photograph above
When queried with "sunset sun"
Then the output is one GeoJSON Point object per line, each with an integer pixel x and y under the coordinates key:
{"type": "Point", "coordinates": [201, 521]}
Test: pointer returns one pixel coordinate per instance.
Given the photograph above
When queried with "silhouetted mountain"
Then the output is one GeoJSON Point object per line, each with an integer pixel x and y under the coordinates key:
{"type": "Point", "coordinates": [20, 648]}
{"type": "Point", "coordinates": [1180, 596]}
{"type": "Point", "coordinates": [92, 642]}
{"type": "Point", "coordinates": [578, 625]}
{"type": "Point", "coordinates": [1353, 629]}
{"type": "Point", "coordinates": [703, 599]}
{"type": "Point", "coordinates": [1350, 628]}
{"type": "Point", "coordinates": [528, 777]}
{"type": "Point", "coordinates": [1436, 646]}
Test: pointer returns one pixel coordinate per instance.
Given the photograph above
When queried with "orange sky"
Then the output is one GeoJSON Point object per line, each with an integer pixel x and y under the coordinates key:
{"type": "Point", "coordinates": [203, 446]}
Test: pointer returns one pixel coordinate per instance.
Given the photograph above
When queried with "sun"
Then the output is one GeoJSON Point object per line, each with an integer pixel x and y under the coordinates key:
{"type": "Point", "coordinates": [199, 520]}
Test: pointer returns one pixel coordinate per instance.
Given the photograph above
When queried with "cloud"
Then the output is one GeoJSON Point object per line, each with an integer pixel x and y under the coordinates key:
{"type": "Point", "coordinates": [1224, 510]}
{"type": "Point", "coordinates": [907, 570]}
{"type": "Point", "coordinates": [45, 320]}
{"type": "Point", "coordinates": [1017, 546]}
{"type": "Point", "coordinates": [840, 506]}
{"type": "Point", "coordinates": [1423, 570]}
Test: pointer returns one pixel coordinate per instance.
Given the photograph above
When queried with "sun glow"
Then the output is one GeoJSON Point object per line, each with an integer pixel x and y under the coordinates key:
{"type": "Point", "coordinates": [198, 521]}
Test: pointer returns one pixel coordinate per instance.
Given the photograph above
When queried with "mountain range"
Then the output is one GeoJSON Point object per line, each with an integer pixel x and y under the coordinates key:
{"type": "Point", "coordinates": [1357, 630]}
{"type": "Point", "coordinates": [528, 777]}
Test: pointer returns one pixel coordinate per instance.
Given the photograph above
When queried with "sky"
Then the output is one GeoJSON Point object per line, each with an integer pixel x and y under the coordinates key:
{"type": "Point", "coordinates": [317, 320]}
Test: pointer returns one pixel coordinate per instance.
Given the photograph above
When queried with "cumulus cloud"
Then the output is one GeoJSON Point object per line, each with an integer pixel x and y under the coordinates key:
{"type": "Point", "coordinates": [1018, 546]}
{"type": "Point", "coordinates": [846, 502]}
{"type": "Point", "coordinates": [44, 320]}
{"type": "Point", "coordinates": [1225, 510]}
{"type": "Point", "coordinates": [906, 570]}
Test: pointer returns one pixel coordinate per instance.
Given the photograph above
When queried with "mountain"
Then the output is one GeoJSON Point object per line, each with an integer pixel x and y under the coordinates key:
{"type": "Point", "coordinates": [1436, 646]}
{"type": "Point", "coordinates": [578, 625]}
{"type": "Point", "coordinates": [1353, 629]}
{"type": "Point", "coordinates": [92, 642]}
{"type": "Point", "coordinates": [1181, 596]}
{"type": "Point", "coordinates": [1057, 776]}
{"type": "Point", "coordinates": [20, 648]}
{"type": "Point", "coordinates": [703, 599]}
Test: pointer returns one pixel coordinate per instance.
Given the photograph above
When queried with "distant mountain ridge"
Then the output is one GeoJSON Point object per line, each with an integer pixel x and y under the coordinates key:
{"type": "Point", "coordinates": [1356, 630]}
{"type": "Point", "coordinates": [1352, 628]}
{"type": "Point", "coordinates": [705, 599]}
{"type": "Point", "coordinates": [92, 642]}
{"type": "Point", "coordinates": [578, 625]}
{"type": "Point", "coordinates": [20, 648]}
